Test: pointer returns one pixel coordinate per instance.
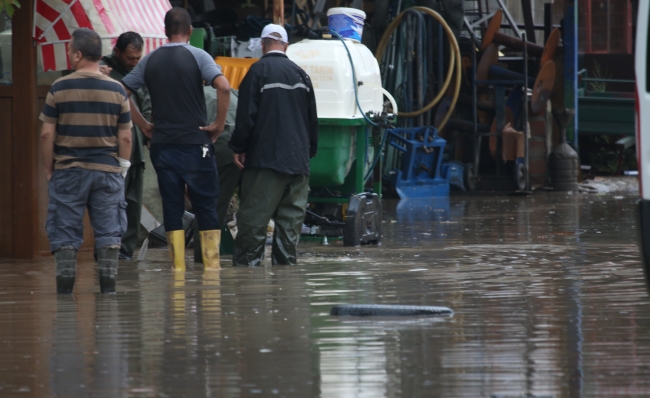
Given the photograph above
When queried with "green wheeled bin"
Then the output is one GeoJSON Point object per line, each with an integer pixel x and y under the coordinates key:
{"type": "Point", "coordinates": [344, 202]}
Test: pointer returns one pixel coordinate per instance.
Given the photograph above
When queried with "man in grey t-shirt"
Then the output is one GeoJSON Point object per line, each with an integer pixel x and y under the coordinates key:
{"type": "Point", "coordinates": [181, 139]}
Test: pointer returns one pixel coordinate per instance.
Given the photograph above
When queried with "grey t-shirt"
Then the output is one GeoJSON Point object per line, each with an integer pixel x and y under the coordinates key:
{"type": "Point", "coordinates": [175, 74]}
{"type": "Point", "coordinates": [221, 150]}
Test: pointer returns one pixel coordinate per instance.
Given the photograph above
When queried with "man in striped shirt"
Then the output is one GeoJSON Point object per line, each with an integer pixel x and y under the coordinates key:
{"type": "Point", "coordinates": [86, 137]}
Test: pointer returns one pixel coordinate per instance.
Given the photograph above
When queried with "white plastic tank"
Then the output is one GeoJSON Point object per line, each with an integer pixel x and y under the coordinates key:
{"type": "Point", "coordinates": [327, 64]}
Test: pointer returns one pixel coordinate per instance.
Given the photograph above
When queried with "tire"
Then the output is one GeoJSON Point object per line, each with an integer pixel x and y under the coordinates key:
{"type": "Point", "coordinates": [389, 310]}
{"type": "Point", "coordinates": [363, 220]}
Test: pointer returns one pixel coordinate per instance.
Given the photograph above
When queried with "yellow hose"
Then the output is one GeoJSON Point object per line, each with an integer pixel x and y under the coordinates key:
{"type": "Point", "coordinates": [454, 63]}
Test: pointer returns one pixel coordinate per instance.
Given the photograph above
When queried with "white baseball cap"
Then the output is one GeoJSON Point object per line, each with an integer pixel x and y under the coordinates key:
{"type": "Point", "coordinates": [275, 32]}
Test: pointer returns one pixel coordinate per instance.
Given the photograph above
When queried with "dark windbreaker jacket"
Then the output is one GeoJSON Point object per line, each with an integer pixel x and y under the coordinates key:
{"type": "Point", "coordinates": [276, 125]}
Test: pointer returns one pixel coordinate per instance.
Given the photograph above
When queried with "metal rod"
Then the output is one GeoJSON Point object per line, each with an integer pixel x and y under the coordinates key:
{"type": "Point", "coordinates": [475, 109]}
{"type": "Point", "coordinates": [528, 20]}
{"type": "Point", "coordinates": [511, 21]}
{"type": "Point", "coordinates": [548, 20]}
{"type": "Point", "coordinates": [526, 128]}
{"type": "Point", "coordinates": [536, 26]}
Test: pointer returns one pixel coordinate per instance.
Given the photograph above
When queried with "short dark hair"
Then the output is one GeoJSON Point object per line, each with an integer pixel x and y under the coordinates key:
{"type": "Point", "coordinates": [88, 43]}
{"type": "Point", "coordinates": [177, 22]}
{"type": "Point", "coordinates": [268, 42]}
{"type": "Point", "coordinates": [129, 39]}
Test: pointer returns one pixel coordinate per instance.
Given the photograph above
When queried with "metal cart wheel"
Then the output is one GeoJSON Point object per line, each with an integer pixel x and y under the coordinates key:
{"type": "Point", "coordinates": [520, 176]}
{"type": "Point", "coordinates": [363, 220]}
{"type": "Point", "coordinates": [471, 179]}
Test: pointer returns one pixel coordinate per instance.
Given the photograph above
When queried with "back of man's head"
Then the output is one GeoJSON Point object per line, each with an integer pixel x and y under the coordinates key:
{"type": "Point", "coordinates": [274, 37]}
{"type": "Point", "coordinates": [129, 39]}
{"type": "Point", "coordinates": [88, 43]}
{"type": "Point", "coordinates": [177, 22]}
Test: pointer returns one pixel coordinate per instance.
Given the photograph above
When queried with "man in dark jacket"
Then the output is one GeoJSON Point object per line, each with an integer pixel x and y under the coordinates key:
{"type": "Point", "coordinates": [276, 133]}
{"type": "Point", "coordinates": [126, 55]}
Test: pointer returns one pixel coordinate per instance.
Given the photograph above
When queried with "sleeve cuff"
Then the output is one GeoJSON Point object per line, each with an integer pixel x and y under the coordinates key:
{"type": "Point", "coordinates": [47, 119]}
{"type": "Point", "coordinates": [131, 89]}
{"type": "Point", "coordinates": [212, 80]}
{"type": "Point", "coordinates": [235, 149]}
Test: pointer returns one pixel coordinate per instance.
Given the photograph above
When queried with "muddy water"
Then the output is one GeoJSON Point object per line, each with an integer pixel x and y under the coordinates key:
{"type": "Point", "coordinates": [547, 291]}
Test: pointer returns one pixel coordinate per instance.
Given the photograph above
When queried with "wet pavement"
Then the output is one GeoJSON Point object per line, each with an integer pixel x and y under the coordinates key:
{"type": "Point", "coordinates": [548, 294]}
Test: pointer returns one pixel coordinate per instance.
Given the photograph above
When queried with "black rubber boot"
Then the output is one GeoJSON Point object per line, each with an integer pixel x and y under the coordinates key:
{"type": "Point", "coordinates": [107, 258]}
{"type": "Point", "coordinates": [66, 269]}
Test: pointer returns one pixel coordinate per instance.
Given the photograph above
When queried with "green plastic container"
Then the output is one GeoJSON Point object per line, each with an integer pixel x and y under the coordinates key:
{"type": "Point", "coordinates": [198, 38]}
{"type": "Point", "coordinates": [336, 151]}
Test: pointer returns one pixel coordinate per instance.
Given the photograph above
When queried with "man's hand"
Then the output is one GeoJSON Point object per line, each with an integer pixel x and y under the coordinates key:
{"type": "Point", "coordinates": [48, 173]}
{"type": "Point", "coordinates": [105, 69]}
{"type": "Point", "coordinates": [239, 158]}
{"type": "Point", "coordinates": [147, 129]}
{"type": "Point", "coordinates": [214, 130]}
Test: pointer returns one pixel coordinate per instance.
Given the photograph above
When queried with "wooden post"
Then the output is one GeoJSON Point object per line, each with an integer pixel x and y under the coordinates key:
{"type": "Point", "coordinates": [25, 141]}
{"type": "Point", "coordinates": [278, 12]}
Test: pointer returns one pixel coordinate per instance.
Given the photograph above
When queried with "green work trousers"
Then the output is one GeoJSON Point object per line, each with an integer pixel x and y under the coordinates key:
{"type": "Point", "coordinates": [267, 194]}
{"type": "Point", "coordinates": [229, 177]}
{"type": "Point", "coordinates": [133, 186]}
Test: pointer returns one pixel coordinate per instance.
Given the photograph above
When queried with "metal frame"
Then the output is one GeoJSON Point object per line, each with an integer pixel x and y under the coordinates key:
{"type": "Point", "coordinates": [499, 86]}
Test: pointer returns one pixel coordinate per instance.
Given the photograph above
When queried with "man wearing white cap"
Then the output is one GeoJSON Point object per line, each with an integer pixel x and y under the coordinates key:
{"type": "Point", "coordinates": [276, 133]}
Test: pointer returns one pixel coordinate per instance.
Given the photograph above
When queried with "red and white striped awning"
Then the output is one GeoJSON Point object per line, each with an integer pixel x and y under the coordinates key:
{"type": "Point", "coordinates": [55, 20]}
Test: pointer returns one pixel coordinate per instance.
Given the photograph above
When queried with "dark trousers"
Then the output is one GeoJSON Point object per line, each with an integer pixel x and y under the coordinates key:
{"type": "Point", "coordinates": [133, 186]}
{"type": "Point", "coordinates": [178, 166]}
{"type": "Point", "coordinates": [229, 178]}
{"type": "Point", "coordinates": [267, 194]}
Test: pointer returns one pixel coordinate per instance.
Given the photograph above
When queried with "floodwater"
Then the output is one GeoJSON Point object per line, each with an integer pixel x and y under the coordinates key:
{"type": "Point", "coordinates": [547, 290]}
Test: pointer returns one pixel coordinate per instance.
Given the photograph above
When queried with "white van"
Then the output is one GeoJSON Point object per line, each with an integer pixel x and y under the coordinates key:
{"type": "Point", "coordinates": [642, 68]}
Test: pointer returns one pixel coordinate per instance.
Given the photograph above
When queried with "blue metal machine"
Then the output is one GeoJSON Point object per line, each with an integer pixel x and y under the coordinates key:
{"type": "Point", "coordinates": [417, 170]}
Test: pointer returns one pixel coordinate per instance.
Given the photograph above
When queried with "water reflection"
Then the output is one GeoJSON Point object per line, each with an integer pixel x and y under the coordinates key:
{"type": "Point", "coordinates": [547, 290]}
{"type": "Point", "coordinates": [67, 353]}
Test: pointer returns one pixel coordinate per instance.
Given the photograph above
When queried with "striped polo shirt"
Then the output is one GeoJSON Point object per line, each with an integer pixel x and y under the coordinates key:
{"type": "Point", "coordinates": [88, 109]}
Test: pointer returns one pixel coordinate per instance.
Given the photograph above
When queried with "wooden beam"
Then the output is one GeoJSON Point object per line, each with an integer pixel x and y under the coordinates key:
{"type": "Point", "coordinates": [25, 138]}
{"type": "Point", "coordinates": [278, 12]}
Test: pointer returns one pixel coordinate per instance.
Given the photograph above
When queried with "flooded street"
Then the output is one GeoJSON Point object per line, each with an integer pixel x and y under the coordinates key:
{"type": "Point", "coordinates": [547, 290]}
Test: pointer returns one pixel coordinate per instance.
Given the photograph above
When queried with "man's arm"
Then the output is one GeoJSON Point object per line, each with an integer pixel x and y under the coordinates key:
{"type": "Point", "coordinates": [313, 123]}
{"type": "Point", "coordinates": [246, 114]}
{"type": "Point", "coordinates": [137, 118]}
{"type": "Point", "coordinates": [124, 140]}
{"type": "Point", "coordinates": [145, 103]}
{"type": "Point", "coordinates": [221, 84]}
{"type": "Point", "coordinates": [48, 133]}
{"type": "Point", "coordinates": [132, 82]}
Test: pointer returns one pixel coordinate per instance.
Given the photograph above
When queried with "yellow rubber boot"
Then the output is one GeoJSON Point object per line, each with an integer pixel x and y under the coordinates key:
{"type": "Point", "coordinates": [210, 242]}
{"type": "Point", "coordinates": [176, 244]}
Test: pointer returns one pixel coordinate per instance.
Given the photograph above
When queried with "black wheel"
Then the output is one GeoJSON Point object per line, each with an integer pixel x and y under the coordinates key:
{"type": "Point", "coordinates": [520, 176]}
{"type": "Point", "coordinates": [471, 178]}
{"type": "Point", "coordinates": [363, 220]}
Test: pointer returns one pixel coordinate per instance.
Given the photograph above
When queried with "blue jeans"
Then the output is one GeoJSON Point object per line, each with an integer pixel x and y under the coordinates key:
{"type": "Point", "coordinates": [180, 165]}
{"type": "Point", "coordinates": [71, 192]}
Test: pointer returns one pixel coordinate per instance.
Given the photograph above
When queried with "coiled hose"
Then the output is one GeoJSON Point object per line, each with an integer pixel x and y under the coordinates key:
{"type": "Point", "coordinates": [454, 62]}
{"type": "Point", "coordinates": [356, 98]}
